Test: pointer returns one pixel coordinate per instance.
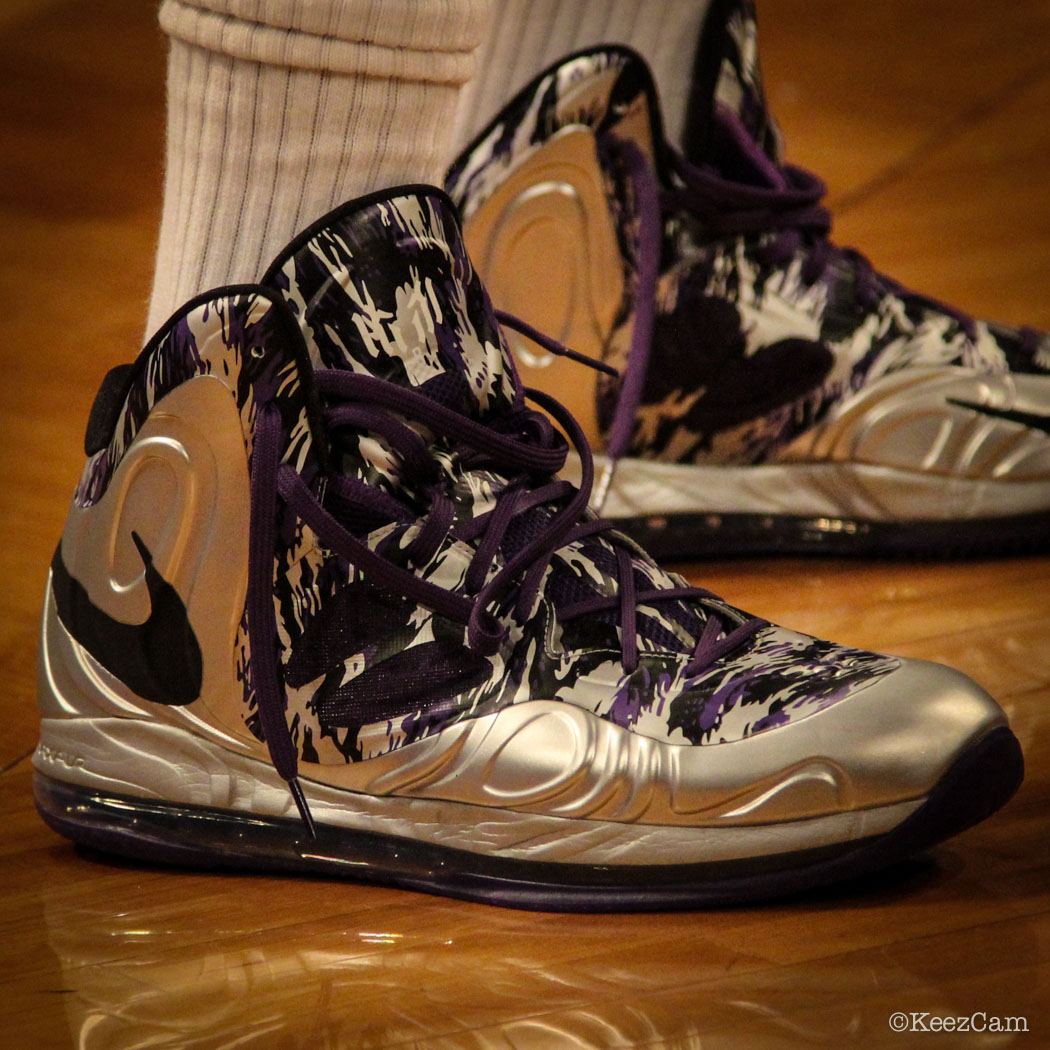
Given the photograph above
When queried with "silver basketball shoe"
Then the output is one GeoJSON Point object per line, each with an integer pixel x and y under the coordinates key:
{"type": "Point", "coordinates": [775, 393]}
{"type": "Point", "coordinates": [323, 604]}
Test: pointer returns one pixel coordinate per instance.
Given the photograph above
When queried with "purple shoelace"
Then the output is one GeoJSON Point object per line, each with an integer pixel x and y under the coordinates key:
{"type": "Point", "coordinates": [792, 213]}
{"type": "Point", "coordinates": [525, 448]}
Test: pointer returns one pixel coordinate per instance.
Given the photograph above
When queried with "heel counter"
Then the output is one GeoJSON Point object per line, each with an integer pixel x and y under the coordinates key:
{"type": "Point", "coordinates": [51, 700]}
{"type": "Point", "coordinates": [545, 243]}
{"type": "Point", "coordinates": [165, 545]}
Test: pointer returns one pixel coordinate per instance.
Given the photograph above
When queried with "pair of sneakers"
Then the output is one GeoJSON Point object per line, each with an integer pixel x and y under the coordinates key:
{"type": "Point", "coordinates": [326, 600]}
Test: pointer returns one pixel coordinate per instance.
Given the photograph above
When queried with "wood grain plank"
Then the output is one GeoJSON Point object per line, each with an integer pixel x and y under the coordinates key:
{"type": "Point", "coordinates": [862, 90]}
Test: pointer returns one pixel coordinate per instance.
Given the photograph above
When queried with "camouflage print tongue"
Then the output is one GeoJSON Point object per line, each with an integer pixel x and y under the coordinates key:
{"type": "Point", "coordinates": [383, 286]}
{"type": "Point", "coordinates": [727, 74]}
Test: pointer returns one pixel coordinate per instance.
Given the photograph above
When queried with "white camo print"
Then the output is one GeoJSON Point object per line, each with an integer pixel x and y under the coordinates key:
{"type": "Point", "coordinates": [772, 301]}
{"type": "Point", "coordinates": [780, 677]}
{"type": "Point", "coordinates": [777, 678]}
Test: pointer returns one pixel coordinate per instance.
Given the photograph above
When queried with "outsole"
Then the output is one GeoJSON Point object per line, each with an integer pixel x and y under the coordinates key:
{"type": "Point", "coordinates": [681, 537]}
{"type": "Point", "coordinates": [980, 781]}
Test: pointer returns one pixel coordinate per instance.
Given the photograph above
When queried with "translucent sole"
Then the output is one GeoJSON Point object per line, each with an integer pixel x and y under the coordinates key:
{"type": "Point", "coordinates": [702, 535]}
{"type": "Point", "coordinates": [980, 781]}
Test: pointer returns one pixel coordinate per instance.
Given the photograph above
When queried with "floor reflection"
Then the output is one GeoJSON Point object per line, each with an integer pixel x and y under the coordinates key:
{"type": "Point", "coordinates": [242, 966]}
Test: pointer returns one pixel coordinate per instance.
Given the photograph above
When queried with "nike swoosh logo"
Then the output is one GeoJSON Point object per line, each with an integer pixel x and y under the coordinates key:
{"type": "Point", "coordinates": [160, 659]}
{"type": "Point", "coordinates": [1027, 419]}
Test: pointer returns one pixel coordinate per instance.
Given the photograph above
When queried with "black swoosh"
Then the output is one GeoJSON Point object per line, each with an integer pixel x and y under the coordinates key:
{"type": "Point", "coordinates": [1027, 419]}
{"type": "Point", "coordinates": [159, 660]}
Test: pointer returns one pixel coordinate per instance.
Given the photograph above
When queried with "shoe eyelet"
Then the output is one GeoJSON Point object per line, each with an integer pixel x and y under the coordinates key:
{"type": "Point", "coordinates": [258, 351]}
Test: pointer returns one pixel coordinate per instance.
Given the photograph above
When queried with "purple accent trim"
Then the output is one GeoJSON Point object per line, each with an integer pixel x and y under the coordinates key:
{"type": "Point", "coordinates": [650, 238]}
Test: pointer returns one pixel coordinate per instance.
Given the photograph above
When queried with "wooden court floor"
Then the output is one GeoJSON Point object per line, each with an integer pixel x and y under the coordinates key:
{"type": "Point", "coordinates": [931, 122]}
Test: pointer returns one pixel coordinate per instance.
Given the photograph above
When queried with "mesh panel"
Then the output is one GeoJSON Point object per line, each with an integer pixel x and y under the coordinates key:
{"type": "Point", "coordinates": [358, 618]}
{"type": "Point", "coordinates": [449, 389]}
{"type": "Point", "coordinates": [412, 680]}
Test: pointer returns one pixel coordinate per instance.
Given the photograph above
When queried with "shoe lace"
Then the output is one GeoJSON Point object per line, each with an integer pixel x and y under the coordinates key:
{"type": "Point", "coordinates": [798, 222]}
{"type": "Point", "coordinates": [524, 447]}
{"type": "Point", "coordinates": [791, 220]}
{"type": "Point", "coordinates": [793, 215]}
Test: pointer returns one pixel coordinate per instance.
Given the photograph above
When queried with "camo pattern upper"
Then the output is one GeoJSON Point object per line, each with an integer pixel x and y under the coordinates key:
{"type": "Point", "coordinates": [739, 87]}
{"type": "Point", "coordinates": [393, 294]}
{"type": "Point", "coordinates": [615, 82]}
{"type": "Point", "coordinates": [752, 351]}
{"type": "Point", "coordinates": [231, 337]}
{"type": "Point", "coordinates": [377, 289]}
{"type": "Point", "coordinates": [780, 351]}
{"type": "Point", "coordinates": [365, 670]}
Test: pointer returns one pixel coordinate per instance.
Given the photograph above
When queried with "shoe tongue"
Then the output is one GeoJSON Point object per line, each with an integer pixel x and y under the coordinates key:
{"type": "Point", "coordinates": [383, 286]}
{"type": "Point", "coordinates": [727, 85]}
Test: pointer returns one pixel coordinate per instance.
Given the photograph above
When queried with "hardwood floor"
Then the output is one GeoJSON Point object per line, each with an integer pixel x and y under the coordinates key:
{"type": "Point", "coordinates": [930, 124]}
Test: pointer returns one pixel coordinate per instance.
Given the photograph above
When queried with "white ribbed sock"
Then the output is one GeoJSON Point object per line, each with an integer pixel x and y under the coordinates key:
{"type": "Point", "coordinates": [526, 36]}
{"type": "Point", "coordinates": [279, 110]}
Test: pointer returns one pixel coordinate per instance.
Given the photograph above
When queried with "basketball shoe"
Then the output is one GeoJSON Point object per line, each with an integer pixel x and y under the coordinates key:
{"type": "Point", "coordinates": [323, 604]}
{"type": "Point", "coordinates": [776, 393]}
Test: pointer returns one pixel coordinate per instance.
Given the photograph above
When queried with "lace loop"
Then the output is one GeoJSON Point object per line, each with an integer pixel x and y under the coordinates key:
{"type": "Point", "coordinates": [729, 208]}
